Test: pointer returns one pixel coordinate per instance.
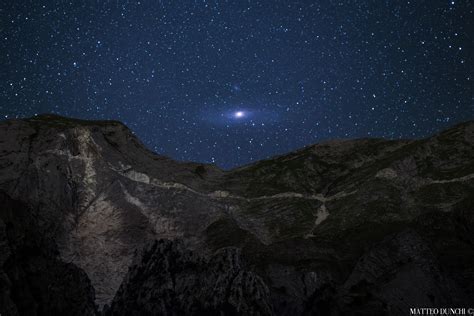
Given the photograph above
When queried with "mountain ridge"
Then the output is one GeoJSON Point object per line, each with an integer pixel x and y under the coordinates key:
{"type": "Point", "coordinates": [308, 223]}
{"type": "Point", "coordinates": [56, 118]}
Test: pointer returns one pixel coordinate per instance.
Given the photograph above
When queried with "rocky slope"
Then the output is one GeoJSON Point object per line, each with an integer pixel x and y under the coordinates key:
{"type": "Point", "coordinates": [33, 280]}
{"type": "Point", "coordinates": [363, 226]}
{"type": "Point", "coordinates": [165, 278]}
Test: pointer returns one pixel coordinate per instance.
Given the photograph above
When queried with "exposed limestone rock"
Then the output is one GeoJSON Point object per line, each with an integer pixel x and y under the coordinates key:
{"type": "Point", "coordinates": [319, 228]}
{"type": "Point", "coordinates": [166, 279]}
{"type": "Point", "coordinates": [321, 215]}
{"type": "Point", "coordinates": [386, 173]}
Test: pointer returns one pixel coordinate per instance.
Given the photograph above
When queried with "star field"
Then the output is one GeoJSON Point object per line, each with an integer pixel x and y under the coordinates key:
{"type": "Point", "coordinates": [231, 82]}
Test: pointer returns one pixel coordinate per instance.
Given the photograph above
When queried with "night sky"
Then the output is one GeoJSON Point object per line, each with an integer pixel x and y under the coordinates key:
{"type": "Point", "coordinates": [231, 82]}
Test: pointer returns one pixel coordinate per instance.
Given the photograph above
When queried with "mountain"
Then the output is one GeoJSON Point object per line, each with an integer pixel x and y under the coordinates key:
{"type": "Point", "coordinates": [92, 221]}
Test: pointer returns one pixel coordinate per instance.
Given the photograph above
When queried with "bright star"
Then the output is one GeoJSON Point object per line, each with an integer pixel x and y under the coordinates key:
{"type": "Point", "coordinates": [239, 114]}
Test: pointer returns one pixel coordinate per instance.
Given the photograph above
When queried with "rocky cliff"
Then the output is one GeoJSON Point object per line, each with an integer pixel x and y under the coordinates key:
{"type": "Point", "coordinates": [33, 280]}
{"type": "Point", "coordinates": [364, 226]}
{"type": "Point", "coordinates": [167, 279]}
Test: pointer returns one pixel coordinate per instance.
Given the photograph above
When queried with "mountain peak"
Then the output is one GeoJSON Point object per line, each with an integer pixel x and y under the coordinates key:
{"type": "Point", "coordinates": [341, 225]}
{"type": "Point", "coordinates": [54, 119]}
